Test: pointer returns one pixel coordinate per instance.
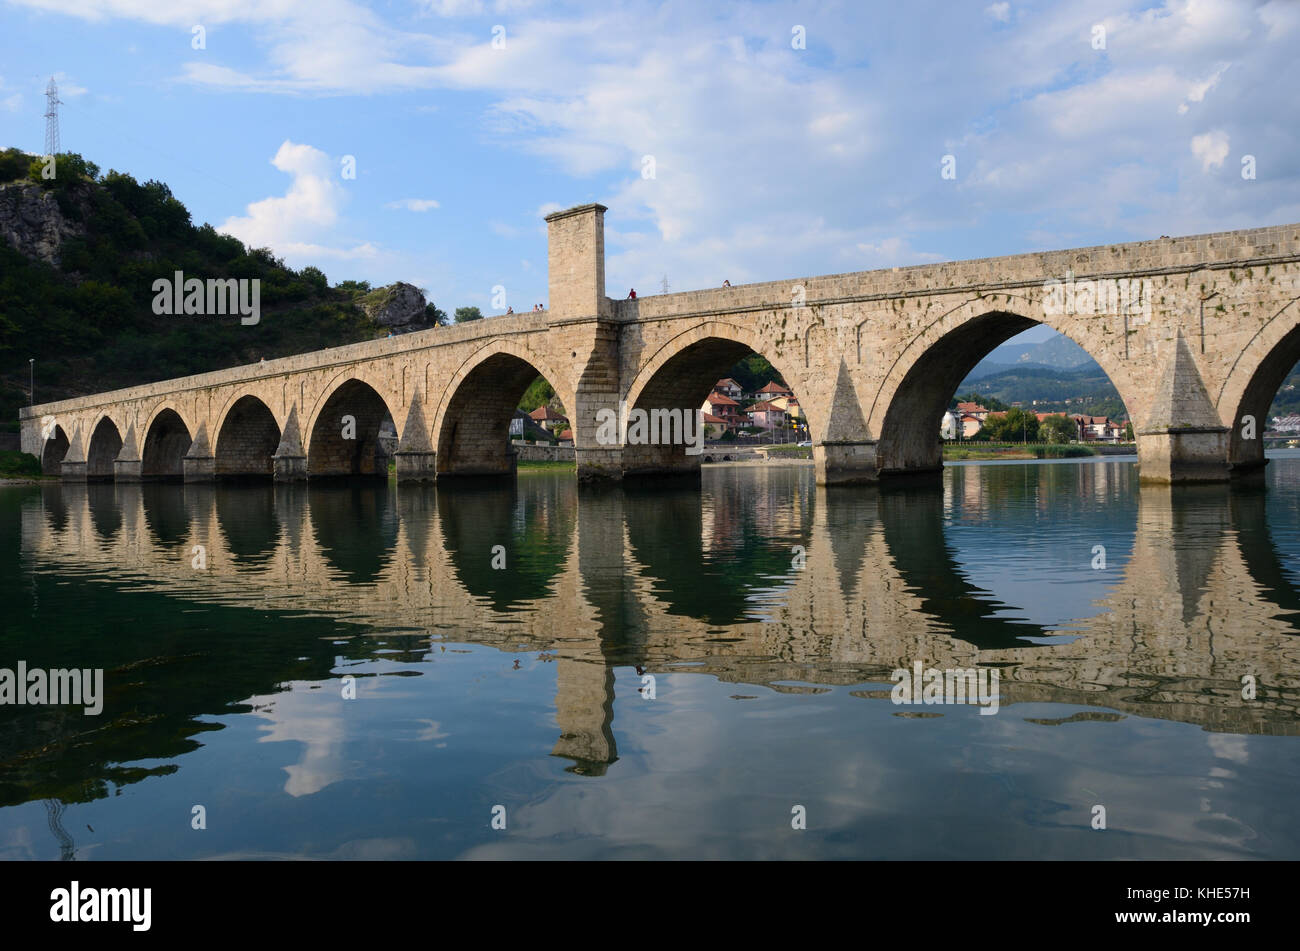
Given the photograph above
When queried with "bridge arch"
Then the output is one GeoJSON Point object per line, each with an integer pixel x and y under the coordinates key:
{"type": "Point", "coordinates": [247, 437]}
{"type": "Point", "coordinates": [345, 432]}
{"type": "Point", "coordinates": [53, 449]}
{"type": "Point", "coordinates": [105, 444]}
{"type": "Point", "coordinates": [1253, 382]}
{"type": "Point", "coordinates": [167, 440]}
{"type": "Point", "coordinates": [907, 410]}
{"type": "Point", "coordinates": [682, 373]}
{"type": "Point", "coordinates": [472, 422]}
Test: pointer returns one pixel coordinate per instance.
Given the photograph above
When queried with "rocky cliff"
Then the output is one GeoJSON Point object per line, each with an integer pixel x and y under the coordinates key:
{"type": "Point", "coordinates": [401, 307]}
{"type": "Point", "coordinates": [32, 223]}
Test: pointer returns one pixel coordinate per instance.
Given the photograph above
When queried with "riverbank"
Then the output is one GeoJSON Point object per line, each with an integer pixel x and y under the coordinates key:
{"type": "Point", "coordinates": [19, 468]}
{"type": "Point", "coordinates": [545, 465]}
{"type": "Point", "coordinates": [975, 452]}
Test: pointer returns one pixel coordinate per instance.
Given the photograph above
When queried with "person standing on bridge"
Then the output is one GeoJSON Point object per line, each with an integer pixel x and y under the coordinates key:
{"type": "Point", "coordinates": [631, 295]}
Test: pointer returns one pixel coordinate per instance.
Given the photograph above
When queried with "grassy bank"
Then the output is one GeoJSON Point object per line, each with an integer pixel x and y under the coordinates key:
{"type": "Point", "coordinates": [545, 464]}
{"type": "Point", "coordinates": [19, 465]}
{"type": "Point", "coordinates": [978, 451]}
{"type": "Point", "coordinates": [789, 450]}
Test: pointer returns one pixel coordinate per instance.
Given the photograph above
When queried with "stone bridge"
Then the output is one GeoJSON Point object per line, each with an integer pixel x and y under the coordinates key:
{"type": "Point", "coordinates": [1196, 333]}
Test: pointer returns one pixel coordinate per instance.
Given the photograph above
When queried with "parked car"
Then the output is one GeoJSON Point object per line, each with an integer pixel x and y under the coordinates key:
{"type": "Point", "coordinates": [806, 444]}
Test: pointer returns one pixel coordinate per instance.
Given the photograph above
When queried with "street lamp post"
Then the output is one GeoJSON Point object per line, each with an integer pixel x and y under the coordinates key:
{"type": "Point", "coordinates": [31, 381]}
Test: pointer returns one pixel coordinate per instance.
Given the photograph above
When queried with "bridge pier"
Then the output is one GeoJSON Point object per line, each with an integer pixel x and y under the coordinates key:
{"type": "Point", "coordinates": [199, 464]}
{"type": "Point", "coordinates": [604, 464]}
{"type": "Point", "coordinates": [504, 466]}
{"type": "Point", "coordinates": [127, 471]}
{"type": "Point", "coordinates": [416, 465]}
{"type": "Point", "coordinates": [660, 462]}
{"type": "Point", "coordinates": [845, 463]}
{"type": "Point", "coordinates": [1185, 454]}
{"type": "Point", "coordinates": [288, 467]}
{"type": "Point", "coordinates": [71, 471]}
{"type": "Point", "coordinates": [199, 468]}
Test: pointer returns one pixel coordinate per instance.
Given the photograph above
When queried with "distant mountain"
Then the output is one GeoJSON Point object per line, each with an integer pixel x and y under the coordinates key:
{"type": "Point", "coordinates": [1045, 389]}
{"type": "Point", "coordinates": [1059, 352]}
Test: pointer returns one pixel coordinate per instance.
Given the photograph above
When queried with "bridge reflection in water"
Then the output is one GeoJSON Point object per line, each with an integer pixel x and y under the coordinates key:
{"type": "Point", "coordinates": [1194, 598]}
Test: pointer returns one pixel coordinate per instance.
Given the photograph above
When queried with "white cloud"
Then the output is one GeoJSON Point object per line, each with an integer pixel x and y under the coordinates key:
{"type": "Point", "coordinates": [1198, 91]}
{"type": "Point", "coordinates": [413, 204]}
{"type": "Point", "coordinates": [892, 252]}
{"type": "Point", "coordinates": [773, 162]}
{"type": "Point", "coordinates": [1282, 17]}
{"type": "Point", "coordinates": [1211, 148]}
{"type": "Point", "coordinates": [288, 223]}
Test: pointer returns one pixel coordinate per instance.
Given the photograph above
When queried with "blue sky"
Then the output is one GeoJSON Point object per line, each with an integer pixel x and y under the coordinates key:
{"type": "Point", "coordinates": [770, 161]}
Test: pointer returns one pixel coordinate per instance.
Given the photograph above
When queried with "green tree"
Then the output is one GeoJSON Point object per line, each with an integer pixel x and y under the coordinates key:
{"type": "Point", "coordinates": [316, 278]}
{"type": "Point", "coordinates": [1015, 425]}
{"type": "Point", "coordinates": [69, 169]}
{"type": "Point", "coordinates": [539, 393]}
{"type": "Point", "coordinates": [464, 314]}
{"type": "Point", "coordinates": [753, 372]}
{"type": "Point", "coordinates": [14, 164]}
{"type": "Point", "coordinates": [1128, 431]}
{"type": "Point", "coordinates": [1058, 428]}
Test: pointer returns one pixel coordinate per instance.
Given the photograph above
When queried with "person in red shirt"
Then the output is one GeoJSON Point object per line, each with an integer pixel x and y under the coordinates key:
{"type": "Point", "coordinates": [631, 295]}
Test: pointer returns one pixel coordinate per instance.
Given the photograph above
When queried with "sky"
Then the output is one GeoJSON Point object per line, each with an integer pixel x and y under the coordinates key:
{"type": "Point", "coordinates": [746, 142]}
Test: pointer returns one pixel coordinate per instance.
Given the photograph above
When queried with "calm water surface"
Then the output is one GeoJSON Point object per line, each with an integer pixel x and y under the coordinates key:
{"type": "Point", "coordinates": [526, 685]}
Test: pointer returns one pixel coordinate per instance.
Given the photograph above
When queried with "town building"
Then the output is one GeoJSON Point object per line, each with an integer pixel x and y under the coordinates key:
{"type": "Point", "coordinates": [715, 427]}
{"type": "Point", "coordinates": [729, 387]}
{"type": "Point", "coordinates": [549, 419]}
{"type": "Point", "coordinates": [974, 409]}
{"type": "Point", "coordinates": [789, 404]}
{"type": "Point", "coordinates": [725, 408]}
{"type": "Point", "coordinates": [1098, 428]}
{"type": "Point", "coordinates": [772, 389]}
{"type": "Point", "coordinates": [764, 415]}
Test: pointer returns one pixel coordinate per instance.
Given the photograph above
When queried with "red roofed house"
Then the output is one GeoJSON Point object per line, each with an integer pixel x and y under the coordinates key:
{"type": "Point", "coordinates": [729, 387]}
{"type": "Point", "coordinates": [1096, 428]}
{"type": "Point", "coordinates": [974, 409]}
{"type": "Point", "coordinates": [789, 404]}
{"type": "Point", "coordinates": [548, 418]}
{"type": "Point", "coordinates": [765, 415]}
{"type": "Point", "coordinates": [771, 389]}
{"type": "Point", "coordinates": [725, 408]}
{"type": "Point", "coordinates": [714, 426]}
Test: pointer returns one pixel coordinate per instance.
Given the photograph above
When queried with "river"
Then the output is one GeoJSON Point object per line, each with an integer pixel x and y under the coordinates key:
{"type": "Point", "coordinates": [538, 671]}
